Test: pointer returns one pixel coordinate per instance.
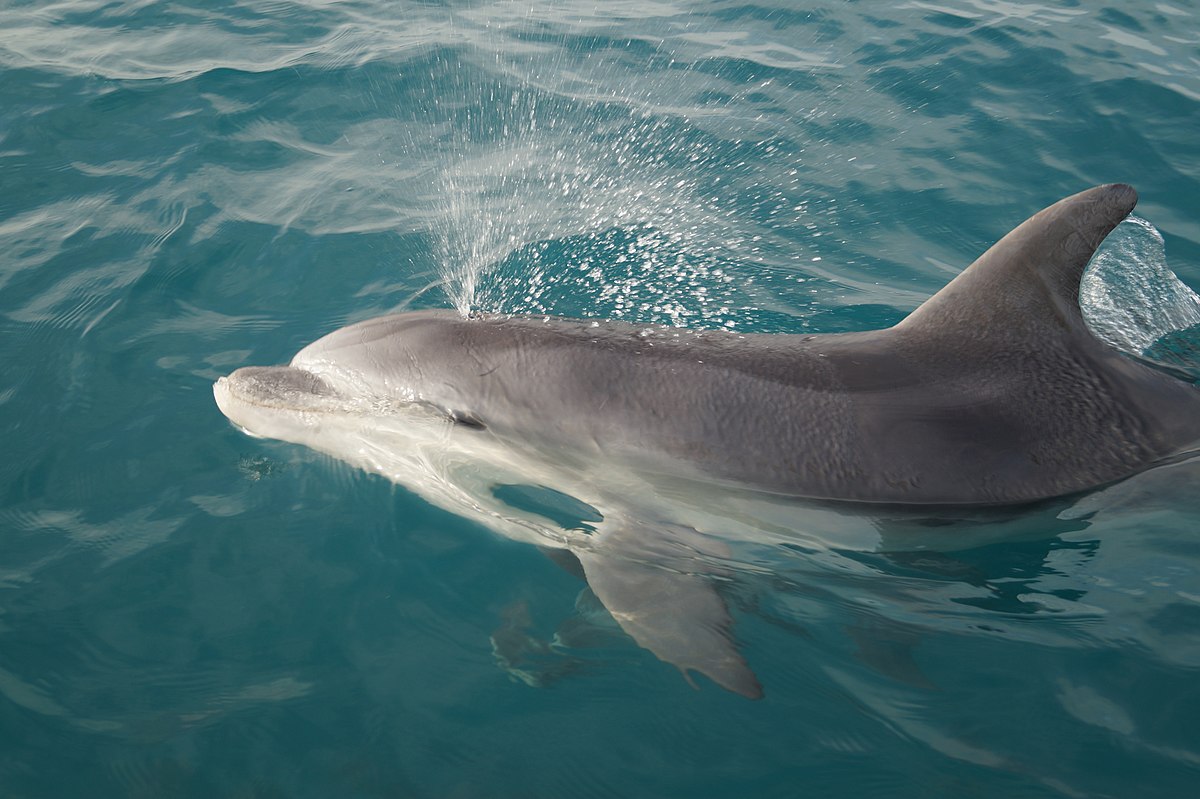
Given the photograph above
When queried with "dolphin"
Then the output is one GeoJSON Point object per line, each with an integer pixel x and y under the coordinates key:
{"type": "Point", "coordinates": [993, 392]}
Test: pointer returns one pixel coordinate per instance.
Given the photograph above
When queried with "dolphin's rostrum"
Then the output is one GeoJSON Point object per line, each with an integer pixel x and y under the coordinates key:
{"type": "Point", "coordinates": [992, 392]}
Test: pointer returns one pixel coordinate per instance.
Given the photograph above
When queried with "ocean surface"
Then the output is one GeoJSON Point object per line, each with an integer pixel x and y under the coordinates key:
{"type": "Point", "coordinates": [189, 187]}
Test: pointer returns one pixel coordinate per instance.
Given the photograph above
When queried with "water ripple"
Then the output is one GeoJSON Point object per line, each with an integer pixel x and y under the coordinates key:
{"type": "Point", "coordinates": [191, 187]}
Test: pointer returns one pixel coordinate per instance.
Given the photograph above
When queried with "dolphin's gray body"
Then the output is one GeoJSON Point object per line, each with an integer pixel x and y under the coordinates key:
{"type": "Point", "coordinates": [992, 392]}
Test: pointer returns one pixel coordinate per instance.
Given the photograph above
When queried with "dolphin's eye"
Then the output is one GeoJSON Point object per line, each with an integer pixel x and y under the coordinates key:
{"type": "Point", "coordinates": [467, 419]}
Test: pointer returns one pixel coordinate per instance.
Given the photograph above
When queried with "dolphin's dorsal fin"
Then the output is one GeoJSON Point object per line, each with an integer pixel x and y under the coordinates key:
{"type": "Point", "coordinates": [1029, 280]}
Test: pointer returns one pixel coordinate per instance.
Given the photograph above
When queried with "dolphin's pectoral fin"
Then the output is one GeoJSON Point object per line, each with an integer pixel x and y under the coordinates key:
{"type": "Point", "coordinates": [1033, 273]}
{"type": "Point", "coordinates": [678, 616]}
{"type": "Point", "coordinates": [566, 560]}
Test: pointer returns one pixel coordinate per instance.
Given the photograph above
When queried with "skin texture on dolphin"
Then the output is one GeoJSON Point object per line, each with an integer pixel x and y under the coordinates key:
{"type": "Point", "coordinates": [992, 392]}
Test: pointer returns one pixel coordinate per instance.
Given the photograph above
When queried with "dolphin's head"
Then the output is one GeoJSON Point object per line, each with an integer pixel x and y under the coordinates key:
{"type": "Point", "coordinates": [373, 368]}
{"type": "Point", "coordinates": [382, 395]}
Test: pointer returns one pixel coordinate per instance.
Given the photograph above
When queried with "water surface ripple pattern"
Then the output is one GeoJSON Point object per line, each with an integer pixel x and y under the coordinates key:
{"type": "Point", "coordinates": [188, 187]}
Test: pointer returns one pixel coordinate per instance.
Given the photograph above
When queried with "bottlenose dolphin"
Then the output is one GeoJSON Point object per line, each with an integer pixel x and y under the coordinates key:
{"type": "Point", "coordinates": [992, 392]}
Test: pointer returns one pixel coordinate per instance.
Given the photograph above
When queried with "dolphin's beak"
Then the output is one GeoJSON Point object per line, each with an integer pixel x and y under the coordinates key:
{"type": "Point", "coordinates": [283, 387]}
{"type": "Point", "coordinates": [259, 399]}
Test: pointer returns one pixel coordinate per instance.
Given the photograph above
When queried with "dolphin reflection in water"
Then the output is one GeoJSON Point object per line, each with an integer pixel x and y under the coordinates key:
{"type": "Point", "coordinates": [993, 392]}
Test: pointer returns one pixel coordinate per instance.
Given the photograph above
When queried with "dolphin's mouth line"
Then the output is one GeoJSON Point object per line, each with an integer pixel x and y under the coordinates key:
{"type": "Point", "coordinates": [294, 389]}
{"type": "Point", "coordinates": [283, 388]}
{"type": "Point", "coordinates": [235, 391]}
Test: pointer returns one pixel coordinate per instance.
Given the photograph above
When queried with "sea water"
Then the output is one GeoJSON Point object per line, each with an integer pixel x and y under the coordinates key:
{"type": "Point", "coordinates": [189, 187]}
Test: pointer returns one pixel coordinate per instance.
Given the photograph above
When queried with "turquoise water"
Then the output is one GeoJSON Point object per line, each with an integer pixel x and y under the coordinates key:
{"type": "Point", "coordinates": [185, 189]}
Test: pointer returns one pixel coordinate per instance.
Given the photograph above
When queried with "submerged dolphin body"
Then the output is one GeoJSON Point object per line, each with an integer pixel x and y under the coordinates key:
{"type": "Point", "coordinates": [992, 392]}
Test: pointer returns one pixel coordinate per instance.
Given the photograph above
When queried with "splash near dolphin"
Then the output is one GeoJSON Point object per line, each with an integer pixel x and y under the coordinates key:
{"type": "Point", "coordinates": [993, 392]}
